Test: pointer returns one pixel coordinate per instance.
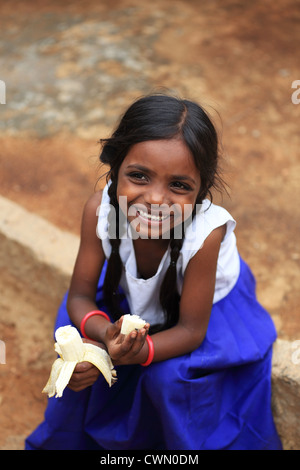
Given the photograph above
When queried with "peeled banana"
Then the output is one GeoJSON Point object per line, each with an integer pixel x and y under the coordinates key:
{"type": "Point", "coordinates": [72, 349]}
{"type": "Point", "coordinates": [130, 323]}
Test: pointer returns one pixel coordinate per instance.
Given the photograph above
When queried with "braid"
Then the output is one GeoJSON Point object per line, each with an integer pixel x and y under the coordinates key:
{"type": "Point", "coordinates": [169, 297]}
{"type": "Point", "coordinates": [114, 265]}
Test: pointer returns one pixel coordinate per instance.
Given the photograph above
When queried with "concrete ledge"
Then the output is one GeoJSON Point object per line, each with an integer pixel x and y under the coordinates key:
{"type": "Point", "coordinates": [35, 251]}
{"type": "Point", "coordinates": [42, 257]}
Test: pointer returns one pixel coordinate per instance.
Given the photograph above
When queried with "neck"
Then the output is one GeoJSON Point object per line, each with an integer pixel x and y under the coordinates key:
{"type": "Point", "coordinates": [151, 244]}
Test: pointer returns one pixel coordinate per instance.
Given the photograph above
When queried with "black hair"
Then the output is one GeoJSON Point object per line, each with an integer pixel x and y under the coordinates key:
{"type": "Point", "coordinates": [157, 117]}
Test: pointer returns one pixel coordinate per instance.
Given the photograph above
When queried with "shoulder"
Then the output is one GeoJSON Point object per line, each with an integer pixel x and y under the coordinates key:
{"type": "Point", "coordinates": [203, 229]}
{"type": "Point", "coordinates": [94, 202]}
{"type": "Point", "coordinates": [208, 217]}
{"type": "Point", "coordinates": [213, 215]}
{"type": "Point", "coordinates": [90, 213]}
{"type": "Point", "coordinates": [204, 263]}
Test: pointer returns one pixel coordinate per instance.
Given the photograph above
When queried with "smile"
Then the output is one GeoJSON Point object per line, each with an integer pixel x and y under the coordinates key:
{"type": "Point", "coordinates": [154, 218]}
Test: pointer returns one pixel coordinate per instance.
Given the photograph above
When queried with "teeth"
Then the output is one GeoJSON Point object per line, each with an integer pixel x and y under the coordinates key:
{"type": "Point", "coordinates": [156, 218]}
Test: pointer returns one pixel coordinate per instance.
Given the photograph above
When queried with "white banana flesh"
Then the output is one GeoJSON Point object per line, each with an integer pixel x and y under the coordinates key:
{"type": "Point", "coordinates": [72, 349]}
{"type": "Point", "coordinates": [130, 323]}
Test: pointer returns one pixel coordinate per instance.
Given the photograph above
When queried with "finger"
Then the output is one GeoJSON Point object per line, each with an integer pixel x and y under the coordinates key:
{"type": "Point", "coordinates": [78, 377]}
{"type": "Point", "coordinates": [146, 327]}
{"type": "Point", "coordinates": [118, 323]}
{"type": "Point", "coordinates": [114, 329]}
{"type": "Point", "coordinates": [134, 340]}
{"type": "Point", "coordinates": [127, 342]}
{"type": "Point", "coordinates": [83, 367]}
{"type": "Point", "coordinates": [82, 380]}
{"type": "Point", "coordinates": [78, 386]}
{"type": "Point", "coordinates": [137, 335]}
{"type": "Point", "coordinates": [139, 341]}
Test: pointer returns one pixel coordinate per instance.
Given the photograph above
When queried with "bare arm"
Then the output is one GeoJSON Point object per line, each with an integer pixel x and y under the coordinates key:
{"type": "Point", "coordinates": [87, 269]}
{"type": "Point", "coordinates": [196, 302]}
{"type": "Point", "coordinates": [83, 288]}
{"type": "Point", "coordinates": [195, 305]}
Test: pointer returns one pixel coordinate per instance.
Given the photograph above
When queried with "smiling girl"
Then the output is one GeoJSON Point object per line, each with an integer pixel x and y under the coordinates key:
{"type": "Point", "coordinates": [198, 375]}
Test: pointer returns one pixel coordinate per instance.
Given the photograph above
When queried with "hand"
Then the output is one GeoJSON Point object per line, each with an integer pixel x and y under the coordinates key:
{"type": "Point", "coordinates": [85, 374]}
{"type": "Point", "coordinates": [123, 349]}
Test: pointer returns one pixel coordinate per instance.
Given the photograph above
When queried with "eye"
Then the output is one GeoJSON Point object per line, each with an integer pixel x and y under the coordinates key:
{"type": "Point", "coordinates": [181, 186]}
{"type": "Point", "coordinates": [138, 176]}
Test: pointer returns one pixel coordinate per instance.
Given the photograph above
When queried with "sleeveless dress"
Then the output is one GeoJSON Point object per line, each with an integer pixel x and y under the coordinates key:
{"type": "Point", "coordinates": [216, 397]}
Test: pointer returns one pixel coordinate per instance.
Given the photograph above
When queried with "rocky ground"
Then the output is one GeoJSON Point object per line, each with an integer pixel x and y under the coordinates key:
{"type": "Point", "coordinates": [71, 68]}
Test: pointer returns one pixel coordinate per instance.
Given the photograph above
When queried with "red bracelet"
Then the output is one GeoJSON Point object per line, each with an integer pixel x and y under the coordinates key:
{"type": "Point", "coordinates": [89, 315]}
{"type": "Point", "coordinates": [150, 353]}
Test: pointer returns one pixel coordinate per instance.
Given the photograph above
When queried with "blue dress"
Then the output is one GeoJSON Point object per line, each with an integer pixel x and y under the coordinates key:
{"type": "Point", "coordinates": [216, 397]}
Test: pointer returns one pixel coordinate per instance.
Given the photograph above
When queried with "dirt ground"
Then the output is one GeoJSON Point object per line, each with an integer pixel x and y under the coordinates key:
{"type": "Point", "coordinates": [71, 70]}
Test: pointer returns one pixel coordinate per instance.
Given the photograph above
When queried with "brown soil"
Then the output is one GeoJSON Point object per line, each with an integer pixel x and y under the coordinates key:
{"type": "Point", "coordinates": [240, 59]}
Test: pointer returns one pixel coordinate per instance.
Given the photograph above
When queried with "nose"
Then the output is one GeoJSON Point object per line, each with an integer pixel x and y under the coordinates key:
{"type": "Point", "coordinates": [155, 194]}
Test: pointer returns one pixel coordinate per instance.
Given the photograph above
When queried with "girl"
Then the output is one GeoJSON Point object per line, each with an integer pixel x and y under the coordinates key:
{"type": "Point", "coordinates": [197, 376]}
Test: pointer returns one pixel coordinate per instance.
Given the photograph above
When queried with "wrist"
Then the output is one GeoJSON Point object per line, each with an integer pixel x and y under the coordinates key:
{"type": "Point", "coordinates": [94, 324]}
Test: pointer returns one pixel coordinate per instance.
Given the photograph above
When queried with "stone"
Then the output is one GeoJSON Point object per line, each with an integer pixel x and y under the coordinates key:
{"type": "Point", "coordinates": [286, 392]}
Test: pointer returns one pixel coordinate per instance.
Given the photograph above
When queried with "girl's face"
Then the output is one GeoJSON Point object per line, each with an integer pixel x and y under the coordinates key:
{"type": "Point", "coordinates": [158, 184]}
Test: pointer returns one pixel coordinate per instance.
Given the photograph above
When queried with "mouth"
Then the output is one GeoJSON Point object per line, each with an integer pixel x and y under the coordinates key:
{"type": "Point", "coordinates": [152, 217]}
